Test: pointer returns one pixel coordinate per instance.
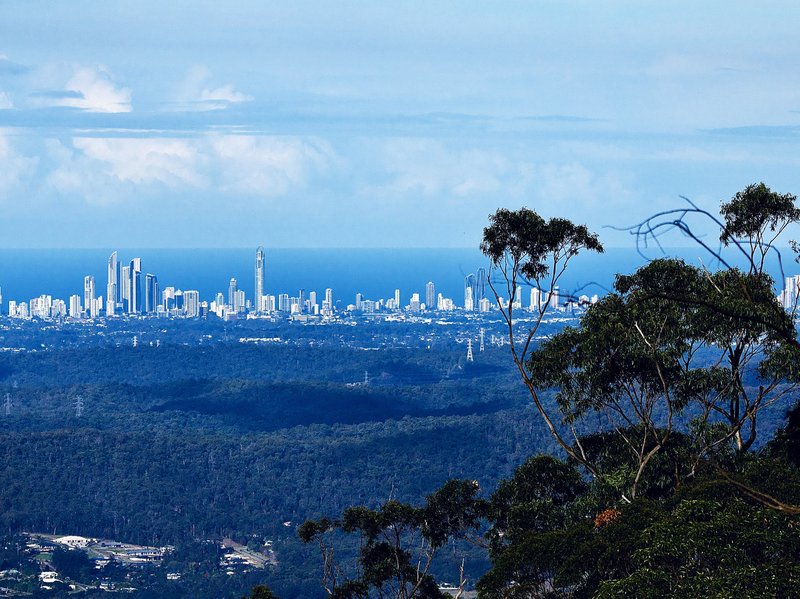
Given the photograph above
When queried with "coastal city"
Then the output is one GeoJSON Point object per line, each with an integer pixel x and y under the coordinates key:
{"type": "Point", "coordinates": [132, 292]}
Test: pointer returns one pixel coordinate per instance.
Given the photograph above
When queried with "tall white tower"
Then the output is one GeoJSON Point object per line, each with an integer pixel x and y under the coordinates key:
{"type": "Point", "coordinates": [259, 277]}
{"type": "Point", "coordinates": [113, 287]}
{"type": "Point", "coordinates": [88, 294]}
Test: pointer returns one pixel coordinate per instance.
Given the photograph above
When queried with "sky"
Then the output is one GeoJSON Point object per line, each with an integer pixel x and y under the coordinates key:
{"type": "Point", "coordinates": [366, 124]}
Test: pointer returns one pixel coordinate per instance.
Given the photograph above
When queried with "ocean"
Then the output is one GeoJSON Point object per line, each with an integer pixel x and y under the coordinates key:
{"type": "Point", "coordinates": [375, 273]}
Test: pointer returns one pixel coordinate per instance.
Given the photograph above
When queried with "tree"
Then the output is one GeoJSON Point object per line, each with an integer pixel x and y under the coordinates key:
{"type": "Point", "coordinates": [751, 226]}
{"type": "Point", "coordinates": [261, 591]}
{"type": "Point", "coordinates": [397, 543]}
{"type": "Point", "coordinates": [527, 250]}
{"type": "Point", "coordinates": [673, 345]}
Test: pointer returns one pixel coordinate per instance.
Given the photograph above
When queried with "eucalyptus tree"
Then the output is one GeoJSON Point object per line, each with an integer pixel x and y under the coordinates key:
{"type": "Point", "coordinates": [526, 250]}
{"type": "Point", "coordinates": [397, 544]}
{"type": "Point", "coordinates": [674, 346]}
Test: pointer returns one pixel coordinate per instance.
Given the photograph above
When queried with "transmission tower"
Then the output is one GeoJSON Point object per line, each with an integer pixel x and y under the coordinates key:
{"type": "Point", "coordinates": [135, 341]}
{"type": "Point", "coordinates": [482, 348]}
{"type": "Point", "coordinates": [78, 407]}
{"type": "Point", "coordinates": [366, 378]}
{"type": "Point", "coordinates": [7, 404]}
{"type": "Point", "coordinates": [469, 351]}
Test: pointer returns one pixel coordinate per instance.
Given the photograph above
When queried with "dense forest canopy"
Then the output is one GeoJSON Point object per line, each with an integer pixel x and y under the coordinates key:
{"type": "Point", "coordinates": [675, 492]}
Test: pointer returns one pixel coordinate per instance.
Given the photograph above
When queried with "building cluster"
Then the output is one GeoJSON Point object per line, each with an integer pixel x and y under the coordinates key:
{"type": "Point", "coordinates": [131, 291]}
{"type": "Point", "coordinates": [790, 296]}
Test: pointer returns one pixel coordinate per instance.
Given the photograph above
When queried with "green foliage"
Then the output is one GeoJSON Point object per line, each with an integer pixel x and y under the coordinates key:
{"type": "Point", "coordinates": [531, 242]}
{"type": "Point", "coordinates": [707, 548]}
{"type": "Point", "coordinates": [397, 542]}
{"type": "Point", "coordinates": [72, 563]}
{"type": "Point", "coordinates": [261, 591]}
{"type": "Point", "coordinates": [757, 210]}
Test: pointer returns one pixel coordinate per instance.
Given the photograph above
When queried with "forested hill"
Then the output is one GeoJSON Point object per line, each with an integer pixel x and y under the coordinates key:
{"type": "Point", "coordinates": [184, 442]}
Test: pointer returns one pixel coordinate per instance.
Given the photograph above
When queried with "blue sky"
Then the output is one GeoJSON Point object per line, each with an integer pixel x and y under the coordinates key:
{"type": "Point", "coordinates": [363, 124]}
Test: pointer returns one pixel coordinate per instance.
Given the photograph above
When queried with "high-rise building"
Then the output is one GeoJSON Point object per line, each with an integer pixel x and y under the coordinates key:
{"type": "Point", "coordinates": [359, 300]}
{"type": "Point", "coordinates": [232, 293]}
{"type": "Point", "coordinates": [327, 303]}
{"type": "Point", "coordinates": [239, 301]}
{"type": "Point", "coordinates": [397, 305]}
{"type": "Point", "coordinates": [414, 303]}
{"type": "Point", "coordinates": [480, 285]}
{"type": "Point", "coordinates": [113, 287]}
{"type": "Point", "coordinates": [517, 299]}
{"type": "Point", "coordinates": [791, 292]}
{"type": "Point", "coordinates": [267, 303]}
{"type": "Point", "coordinates": [125, 291]}
{"type": "Point", "coordinates": [75, 306]}
{"type": "Point", "coordinates": [312, 302]}
{"type": "Point", "coordinates": [135, 299]}
{"type": "Point", "coordinates": [259, 277]}
{"type": "Point", "coordinates": [471, 290]}
{"type": "Point", "coordinates": [283, 302]}
{"type": "Point", "coordinates": [191, 301]}
{"type": "Point", "coordinates": [88, 293]}
{"type": "Point", "coordinates": [536, 299]}
{"type": "Point", "coordinates": [430, 296]}
{"type": "Point", "coordinates": [168, 298]}
{"type": "Point", "coordinates": [151, 293]}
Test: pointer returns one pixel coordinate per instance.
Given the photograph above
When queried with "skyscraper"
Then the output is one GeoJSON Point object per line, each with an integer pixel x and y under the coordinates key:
{"type": "Point", "coordinates": [536, 299]}
{"type": "Point", "coordinates": [480, 285]}
{"type": "Point", "coordinates": [191, 300]}
{"type": "Point", "coordinates": [232, 294]}
{"type": "Point", "coordinates": [88, 294]}
{"type": "Point", "coordinates": [259, 277]}
{"type": "Point", "coordinates": [397, 305]}
{"type": "Point", "coordinates": [151, 293]}
{"type": "Point", "coordinates": [430, 296]}
{"type": "Point", "coordinates": [75, 306]}
{"type": "Point", "coordinates": [113, 288]}
{"type": "Point", "coordinates": [470, 291]}
{"type": "Point", "coordinates": [125, 291]}
{"type": "Point", "coordinates": [135, 300]}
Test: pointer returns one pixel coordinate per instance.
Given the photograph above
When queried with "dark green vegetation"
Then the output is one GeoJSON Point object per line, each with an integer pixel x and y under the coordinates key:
{"type": "Point", "coordinates": [669, 488]}
{"type": "Point", "coordinates": [668, 402]}
{"type": "Point", "coordinates": [182, 443]}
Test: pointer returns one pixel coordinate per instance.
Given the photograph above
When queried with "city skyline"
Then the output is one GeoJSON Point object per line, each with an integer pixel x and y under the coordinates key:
{"type": "Point", "coordinates": [134, 299]}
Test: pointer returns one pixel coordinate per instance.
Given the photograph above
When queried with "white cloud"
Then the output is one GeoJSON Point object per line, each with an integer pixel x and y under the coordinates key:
{"type": "Point", "coordinates": [169, 161]}
{"type": "Point", "coordinates": [95, 92]}
{"type": "Point", "coordinates": [14, 167]}
{"type": "Point", "coordinates": [248, 165]}
{"type": "Point", "coordinates": [426, 167]}
{"type": "Point", "coordinates": [268, 165]}
{"type": "Point", "coordinates": [197, 93]}
{"type": "Point", "coordinates": [5, 101]}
